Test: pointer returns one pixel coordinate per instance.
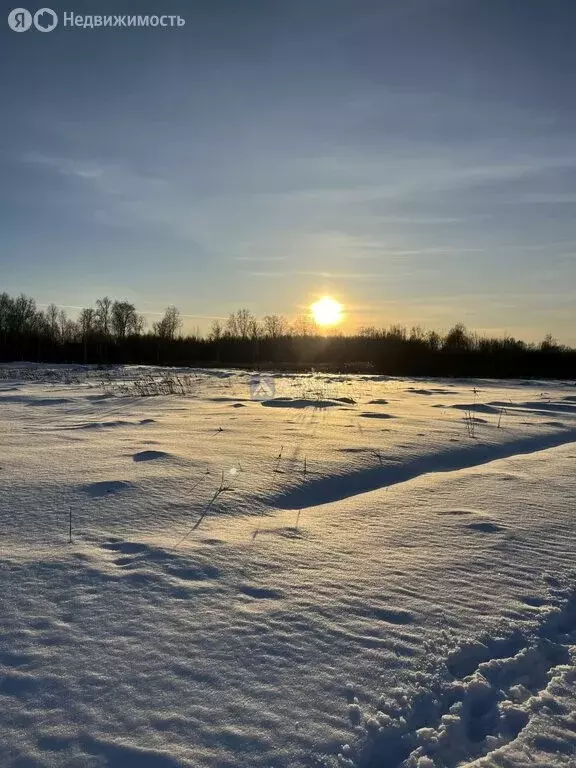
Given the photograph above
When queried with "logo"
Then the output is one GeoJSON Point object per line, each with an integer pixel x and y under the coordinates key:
{"type": "Point", "coordinates": [262, 387]}
{"type": "Point", "coordinates": [20, 20]}
{"type": "Point", "coordinates": [45, 20]}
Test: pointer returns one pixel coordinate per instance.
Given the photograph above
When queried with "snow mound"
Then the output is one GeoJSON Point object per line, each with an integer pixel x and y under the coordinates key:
{"type": "Point", "coordinates": [151, 455]}
{"type": "Point", "coordinates": [290, 402]}
{"type": "Point", "coordinates": [106, 488]}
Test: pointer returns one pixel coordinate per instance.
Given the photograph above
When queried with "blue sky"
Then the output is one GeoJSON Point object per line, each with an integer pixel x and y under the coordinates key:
{"type": "Point", "coordinates": [415, 159]}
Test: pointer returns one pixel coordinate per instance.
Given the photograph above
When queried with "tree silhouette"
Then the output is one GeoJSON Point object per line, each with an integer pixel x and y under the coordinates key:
{"type": "Point", "coordinates": [170, 324]}
{"type": "Point", "coordinates": [124, 319]}
{"type": "Point", "coordinates": [113, 332]}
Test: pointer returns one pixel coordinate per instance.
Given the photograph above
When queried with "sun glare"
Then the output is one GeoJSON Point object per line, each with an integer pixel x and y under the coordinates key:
{"type": "Point", "coordinates": [326, 311]}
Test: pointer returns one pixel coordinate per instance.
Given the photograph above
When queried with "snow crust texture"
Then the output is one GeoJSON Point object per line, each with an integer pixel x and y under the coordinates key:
{"type": "Point", "coordinates": [361, 572]}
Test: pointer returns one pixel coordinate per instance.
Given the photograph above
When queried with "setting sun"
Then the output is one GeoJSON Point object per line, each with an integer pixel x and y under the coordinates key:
{"type": "Point", "coordinates": [327, 311]}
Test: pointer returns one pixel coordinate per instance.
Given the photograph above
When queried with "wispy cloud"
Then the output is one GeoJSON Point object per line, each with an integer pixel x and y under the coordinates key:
{"type": "Point", "coordinates": [263, 258]}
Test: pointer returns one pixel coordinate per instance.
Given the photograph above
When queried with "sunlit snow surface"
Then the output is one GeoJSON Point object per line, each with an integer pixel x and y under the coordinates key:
{"type": "Point", "coordinates": [364, 571]}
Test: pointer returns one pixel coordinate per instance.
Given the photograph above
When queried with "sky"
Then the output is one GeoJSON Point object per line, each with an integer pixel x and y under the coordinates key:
{"type": "Point", "coordinates": [415, 159]}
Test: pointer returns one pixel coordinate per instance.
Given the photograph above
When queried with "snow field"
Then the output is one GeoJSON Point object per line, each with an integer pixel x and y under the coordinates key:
{"type": "Point", "coordinates": [340, 576]}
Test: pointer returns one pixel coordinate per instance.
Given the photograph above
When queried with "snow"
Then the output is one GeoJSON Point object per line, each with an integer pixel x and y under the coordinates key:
{"type": "Point", "coordinates": [338, 576]}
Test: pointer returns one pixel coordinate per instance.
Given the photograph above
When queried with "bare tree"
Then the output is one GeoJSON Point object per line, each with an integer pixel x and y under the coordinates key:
{"type": "Point", "coordinates": [24, 314]}
{"type": "Point", "coordinates": [458, 338]}
{"type": "Point", "coordinates": [168, 327]}
{"type": "Point", "coordinates": [397, 332]}
{"type": "Point", "coordinates": [63, 325]}
{"type": "Point", "coordinates": [87, 322]}
{"type": "Point", "coordinates": [434, 340]}
{"type": "Point", "coordinates": [52, 313]}
{"type": "Point", "coordinates": [254, 329]}
{"type": "Point", "coordinates": [6, 303]}
{"type": "Point", "coordinates": [304, 325]}
{"type": "Point", "coordinates": [216, 331]}
{"type": "Point", "coordinates": [274, 326]}
{"type": "Point", "coordinates": [5, 312]}
{"type": "Point", "coordinates": [369, 332]}
{"type": "Point", "coordinates": [104, 315]}
{"type": "Point", "coordinates": [124, 319]}
{"type": "Point", "coordinates": [417, 334]}
{"type": "Point", "coordinates": [549, 344]}
{"type": "Point", "coordinates": [241, 324]}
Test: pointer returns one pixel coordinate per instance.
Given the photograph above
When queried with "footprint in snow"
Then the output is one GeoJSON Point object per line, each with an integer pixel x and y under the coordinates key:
{"type": "Point", "coordinates": [533, 601]}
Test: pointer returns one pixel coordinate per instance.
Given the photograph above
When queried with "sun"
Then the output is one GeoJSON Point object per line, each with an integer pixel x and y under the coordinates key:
{"type": "Point", "coordinates": [326, 311]}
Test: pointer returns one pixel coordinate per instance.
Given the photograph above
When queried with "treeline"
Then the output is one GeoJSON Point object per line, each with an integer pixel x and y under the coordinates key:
{"type": "Point", "coordinates": [113, 332]}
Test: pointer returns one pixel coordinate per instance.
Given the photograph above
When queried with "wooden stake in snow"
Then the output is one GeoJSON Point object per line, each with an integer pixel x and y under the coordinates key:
{"type": "Point", "coordinates": [298, 519]}
{"type": "Point", "coordinates": [70, 528]}
{"type": "Point", "coordinates": [304, 464]}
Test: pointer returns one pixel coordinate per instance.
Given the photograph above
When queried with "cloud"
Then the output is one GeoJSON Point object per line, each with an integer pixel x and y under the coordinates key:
{"type": "Point", "coordinates": [265, 258]}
